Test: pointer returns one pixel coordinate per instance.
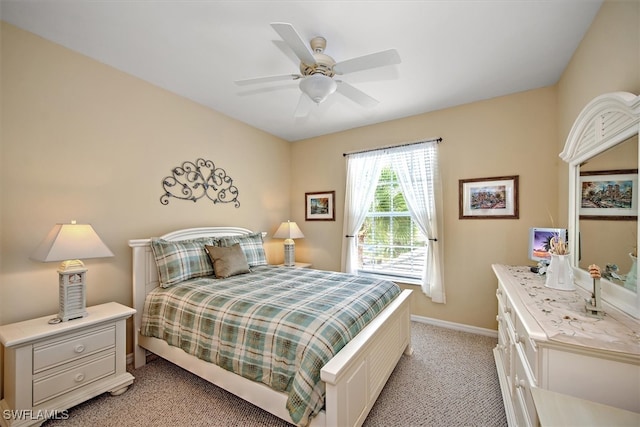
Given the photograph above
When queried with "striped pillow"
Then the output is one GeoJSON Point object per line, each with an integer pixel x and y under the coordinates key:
{"type": "Point", "coordinates": [179, 261]}
{"type": "Point", "coordinates": [251, 245]}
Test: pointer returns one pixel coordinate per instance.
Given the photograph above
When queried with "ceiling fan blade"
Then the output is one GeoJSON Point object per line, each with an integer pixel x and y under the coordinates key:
{"type": "Point", "coordinates": [304, 106]}
{"type": "Point", "coordinates": [365, 62]}
{"type": "Point", "coordinates": [294, 41]}
{"type": "Point", "coordinates": [268, 79]}
{"type": "Point", "coordinates": [356, 95]}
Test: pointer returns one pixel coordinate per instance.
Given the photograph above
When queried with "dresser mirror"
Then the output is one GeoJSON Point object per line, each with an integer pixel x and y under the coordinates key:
{"type": "Point", "coordinates": [603, 147]}
{"type": "Point", "coordinates": [610, 179]}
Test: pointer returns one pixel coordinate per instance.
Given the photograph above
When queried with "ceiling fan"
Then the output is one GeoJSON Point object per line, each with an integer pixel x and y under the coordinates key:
{"type": "Point", "coordinates": [317, 70]}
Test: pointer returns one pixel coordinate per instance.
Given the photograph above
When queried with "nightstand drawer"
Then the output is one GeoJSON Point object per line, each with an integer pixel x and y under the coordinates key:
{"type": "Point", "coordinates": [58, 351]}
{"type": "Point", "coordinates": [50, 386]}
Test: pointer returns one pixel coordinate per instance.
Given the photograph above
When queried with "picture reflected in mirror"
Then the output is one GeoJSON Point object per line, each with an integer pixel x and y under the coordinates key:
{"type": "Point", "coordinates": [610, 241]}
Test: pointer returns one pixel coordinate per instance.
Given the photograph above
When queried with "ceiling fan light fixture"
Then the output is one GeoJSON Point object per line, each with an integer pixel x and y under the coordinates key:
{"type": "Point", "coordinates": [318, 87]}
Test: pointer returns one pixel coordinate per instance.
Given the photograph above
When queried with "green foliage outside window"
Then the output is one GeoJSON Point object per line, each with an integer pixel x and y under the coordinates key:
{"type": "Point", "coordinates": [389, 242]}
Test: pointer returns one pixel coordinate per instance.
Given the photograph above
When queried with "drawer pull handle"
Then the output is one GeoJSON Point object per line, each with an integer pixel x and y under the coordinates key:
{"type": "Point", "coordinates": [507, 309]}
{"type": "Point", "coordinates": [79, 348]}
{"type": "Point", "coordinates": [517, 338]}
{"type": "Point", "coordinates": [79, 377]}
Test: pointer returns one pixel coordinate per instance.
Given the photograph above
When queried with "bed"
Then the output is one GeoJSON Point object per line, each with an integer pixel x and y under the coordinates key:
{"type": "Point", "coordinates": [352, 379]}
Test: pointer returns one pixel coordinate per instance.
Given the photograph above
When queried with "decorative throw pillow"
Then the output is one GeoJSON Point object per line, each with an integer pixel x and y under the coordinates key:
{"type": "Point", "coordinates": [251, 245]}
{"type": "Point", "coordinates": [228, 261]}
{"type": "Point", "coordinates": [179, 261]}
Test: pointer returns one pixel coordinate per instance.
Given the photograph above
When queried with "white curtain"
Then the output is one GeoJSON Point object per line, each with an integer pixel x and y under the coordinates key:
{"type": "Point", "coordinates": [363, 171]}
{"type": "Point", "coordinates": [416, 167]}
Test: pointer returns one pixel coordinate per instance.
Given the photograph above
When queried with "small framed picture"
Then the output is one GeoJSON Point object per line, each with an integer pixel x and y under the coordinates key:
{"type": "Point", "coordinates": [489, 198]}
{"type": "Point", "coordinates": [320, 206]}
{"type": "Point", "coordinates": [609, 194]}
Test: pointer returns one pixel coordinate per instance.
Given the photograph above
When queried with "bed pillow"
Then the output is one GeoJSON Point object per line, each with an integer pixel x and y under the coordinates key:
{"type": "Point", "coordinates": [228, 261]}
{"type": "Point", "coordinates": [251, 245]}
{"type": "Point", "coordinates": [183, 260]}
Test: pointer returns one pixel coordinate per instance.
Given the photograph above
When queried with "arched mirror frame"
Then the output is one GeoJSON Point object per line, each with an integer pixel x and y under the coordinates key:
{"type": "Point", "coordinates": [605, 122]}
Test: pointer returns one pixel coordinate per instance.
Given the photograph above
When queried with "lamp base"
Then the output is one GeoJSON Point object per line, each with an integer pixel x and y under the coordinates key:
{"type": "Point", "coordinates": [72, 293]}
{"type": "Point", "coordinates": [289, 253]}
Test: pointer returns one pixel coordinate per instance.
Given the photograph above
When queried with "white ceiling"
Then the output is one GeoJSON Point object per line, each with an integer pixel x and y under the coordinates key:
{"type": "Point", "coordinates": [453, 52]}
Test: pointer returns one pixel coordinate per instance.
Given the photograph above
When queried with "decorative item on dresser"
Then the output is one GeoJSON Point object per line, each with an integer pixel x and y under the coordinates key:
{"type": "Point", "coordinates": [67, 243]}
{"type": "Point", "coordinates": [559, 273]}
{"type": "Point", "coordinates": [289, 231]}
{"type": "Point", "coordinates": [50, 368]}
{"type": "Point", "coordinates": [547, 340]}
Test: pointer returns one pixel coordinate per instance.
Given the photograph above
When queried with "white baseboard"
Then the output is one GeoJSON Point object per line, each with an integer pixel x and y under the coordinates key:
{"type": "Point", "coordinates": [130, 359]}
{"type": "Point", "coordinates": [455, 326]}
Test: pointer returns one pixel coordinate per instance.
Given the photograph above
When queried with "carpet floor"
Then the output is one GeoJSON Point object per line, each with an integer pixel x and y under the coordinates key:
{"type": "Point", "coordinates": [450, 380]}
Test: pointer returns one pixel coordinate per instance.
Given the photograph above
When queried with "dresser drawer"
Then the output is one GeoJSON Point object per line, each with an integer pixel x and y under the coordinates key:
{"type": "Point", "coordinates": [55, 352]}
{"type": "Point", "coordinates": [506, 304]}
{"type": "Point", "coordinates": [528, 347]}
{"type": "Point", "coordinates": [80, 374]}
{"type": "Point", "coordinates": [523, 383]}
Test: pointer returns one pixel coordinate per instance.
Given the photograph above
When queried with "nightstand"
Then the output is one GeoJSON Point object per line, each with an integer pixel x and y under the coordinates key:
{"type": "Point", "coordinates": [50, 368]}
{"type": "Point", "coordinates": [298, 265]}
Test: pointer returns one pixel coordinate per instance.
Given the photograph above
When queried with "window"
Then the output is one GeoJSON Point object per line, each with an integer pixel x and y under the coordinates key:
{"type": "Point", "coordinates": [392, 199]}
{"type": "Point", "coordinates": [389, 241]}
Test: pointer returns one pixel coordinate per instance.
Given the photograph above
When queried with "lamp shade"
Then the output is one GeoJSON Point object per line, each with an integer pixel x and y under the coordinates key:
{"type": "Point", "coordinates": [288, 230]}
{"type": "Point", "coordinates": [71, 241]}
{"type": "Point", "coordinates": [318, 87]}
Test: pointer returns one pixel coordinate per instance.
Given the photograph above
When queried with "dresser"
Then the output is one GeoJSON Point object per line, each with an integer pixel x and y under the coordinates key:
{"type": "Point", "coordinates": [49, 368]}
{"type": "Point", "coordinates": [546, 340]}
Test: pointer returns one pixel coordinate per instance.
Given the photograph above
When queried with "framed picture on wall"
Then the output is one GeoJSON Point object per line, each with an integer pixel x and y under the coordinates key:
{"type": "Point", "coordinates": [320, 206]}
{"type": "Point", "coordinates": [609, 194]}
{"type": "Point", "coordinates": [489, 198]}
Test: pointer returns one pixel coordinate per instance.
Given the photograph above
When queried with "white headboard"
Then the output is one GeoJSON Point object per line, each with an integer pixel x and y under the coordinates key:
{"type": "Point", "coordinates": [145, 272]}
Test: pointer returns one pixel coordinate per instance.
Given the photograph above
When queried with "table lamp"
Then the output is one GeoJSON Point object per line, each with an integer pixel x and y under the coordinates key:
{"type": "Point", "coordinates": [68, 243]}
{"type": "Point", "coordinates": [289, 231]}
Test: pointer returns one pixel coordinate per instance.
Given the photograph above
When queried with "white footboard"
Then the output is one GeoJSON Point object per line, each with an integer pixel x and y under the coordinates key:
{"type": "Point", "coordinates": [355, 377]}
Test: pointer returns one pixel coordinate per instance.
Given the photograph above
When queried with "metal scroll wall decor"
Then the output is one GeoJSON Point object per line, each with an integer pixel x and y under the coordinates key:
{"type": "Point", "coordinates": [193, 181]}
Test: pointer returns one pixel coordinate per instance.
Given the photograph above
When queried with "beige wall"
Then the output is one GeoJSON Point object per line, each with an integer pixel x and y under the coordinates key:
{"type": "Point", "coordinates": [81, 140]}
{"type": "Point", "coordinates": [607, 60]}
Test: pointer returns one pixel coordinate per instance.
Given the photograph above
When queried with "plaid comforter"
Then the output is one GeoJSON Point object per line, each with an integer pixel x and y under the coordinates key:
{"type": "Point", "coordinates": [275, 325]}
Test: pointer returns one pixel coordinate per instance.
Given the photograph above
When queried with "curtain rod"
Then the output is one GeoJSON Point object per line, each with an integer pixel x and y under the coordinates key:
{"type": "Point", "coordinates": [438, 140]}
